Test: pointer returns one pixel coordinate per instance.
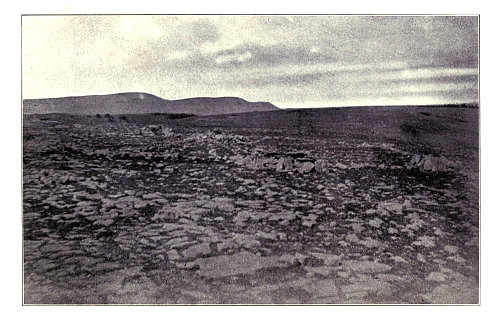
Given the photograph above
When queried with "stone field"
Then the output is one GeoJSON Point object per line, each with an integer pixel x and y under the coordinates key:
{"type": "Point", "coordinates": [123, 212]}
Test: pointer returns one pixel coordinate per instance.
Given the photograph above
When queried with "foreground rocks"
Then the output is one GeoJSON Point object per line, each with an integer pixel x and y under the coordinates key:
{"type": "Point", "coordinates": [208, 216]}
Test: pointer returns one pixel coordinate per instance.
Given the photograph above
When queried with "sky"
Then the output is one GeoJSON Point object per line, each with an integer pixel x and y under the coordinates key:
{"type": "Point", "coordinates": [290, 61]}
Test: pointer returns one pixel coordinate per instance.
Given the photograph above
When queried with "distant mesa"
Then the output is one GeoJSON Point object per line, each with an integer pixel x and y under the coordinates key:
{"type": "Point", "coordinates": [142, 103]}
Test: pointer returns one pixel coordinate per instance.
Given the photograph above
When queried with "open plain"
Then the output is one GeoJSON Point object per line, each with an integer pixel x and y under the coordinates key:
{"type": "Point", "coordinates": [318, 206]}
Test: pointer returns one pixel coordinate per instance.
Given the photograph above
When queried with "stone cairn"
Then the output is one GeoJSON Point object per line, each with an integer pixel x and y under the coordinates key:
{"type": "Point", "coordinates": [299, 161]}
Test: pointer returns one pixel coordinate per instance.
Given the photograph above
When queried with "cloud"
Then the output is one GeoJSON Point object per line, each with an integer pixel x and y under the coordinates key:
{"type": "Point", "coordinates": [136, 27]}
{"type": "Point", "coordinates": [233, 58]}
{"type": "Point", "coordinates": [430, 87]}
{"type": "Point", "coordinates": [204, 31]}
{"type": "Point", "coordinates": [426, 73]}
{"type": "Point", "coordinates": [282, 59]}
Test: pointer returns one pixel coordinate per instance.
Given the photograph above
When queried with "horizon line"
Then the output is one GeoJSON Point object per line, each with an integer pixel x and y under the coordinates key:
{"type": "Point", "coordinates": [444, 104]}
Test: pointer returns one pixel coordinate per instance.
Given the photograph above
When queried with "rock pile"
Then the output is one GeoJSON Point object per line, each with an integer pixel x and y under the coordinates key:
{"type": "Point", "coordinates": [154, 130]}
{"type": "Point", "coordinates": [299, 161]}
{"type": "Point", "coordinates": [218, 137]}
{"type": "Point", "coordinates": [429, 163]}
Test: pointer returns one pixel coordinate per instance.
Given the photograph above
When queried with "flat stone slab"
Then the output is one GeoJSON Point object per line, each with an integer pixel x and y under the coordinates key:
{"type": "Point", "coordinates": [367, 286]}
{"type": "Point", "coordinates": [436, 276]}
{"type": "Point", "coordinates": [328, 259]}
{"type": "Point", "coordinates": [364, 266]}
{"type": "Point", "coordinates": [240, 263]}
{"type": "Point", "coordinates": [197, 250]}
{"type": "Point", "coordinates": [460, 292]}
{"type": "Point", "coordinates": [322, 288]}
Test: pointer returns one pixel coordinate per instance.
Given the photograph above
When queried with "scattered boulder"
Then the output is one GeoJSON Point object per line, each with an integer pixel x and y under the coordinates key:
{"type": "Point", "coordinates": [352, 238]}
{"type": "Point", "coordinates": [436, 276]}
{"type": "Point", "coordinates": [398, 259]}
{"type": "Point", "coordinates": [321, 166]}
{"type": "Point", "coordinates": [429, 163]}
{"type": "Point", "coordinates": [172, 156]}
{"type": "Point", "coordinates": [144, 131]}
{"type": "Point", "coordinates": [371, 243]}
{"type": "Point", "coordinates": [426, 241]}
{"type": "Point", "coordinates": [306, 167]}
{"type": "Point", "coordinates": [156, 129]}
{"type": "Point", "coordinates": [451, 249]}
{"type": "Point", "coordinates": [167, 132]}
{"type": "Point", "coordinates": [242, 216]}
{"type": "Point", "coordinates": [375, 223]}
{"type": "Point", "coordinates": [309, 221]}
{"type": "Point", "coordinates": [173, 255]}
{"type": "Point", "coordinates": [284, 218]}
{"type": "Point", "coordinates": [104, 222]}
{"type": "Point", "coordinates": [393, 206]}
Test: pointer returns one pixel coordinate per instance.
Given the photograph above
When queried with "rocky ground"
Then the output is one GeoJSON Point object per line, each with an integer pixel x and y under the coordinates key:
{"type": "Point", "coordinates": [120, 212]}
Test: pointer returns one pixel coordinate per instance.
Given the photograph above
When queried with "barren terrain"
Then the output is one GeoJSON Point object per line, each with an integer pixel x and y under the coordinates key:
{"type": "Point", "coordinates": [334, 206]}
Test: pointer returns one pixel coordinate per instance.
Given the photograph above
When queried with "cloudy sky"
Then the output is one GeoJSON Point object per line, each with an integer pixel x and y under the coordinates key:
{"type": "Point", "coordinates": [290, 61]}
